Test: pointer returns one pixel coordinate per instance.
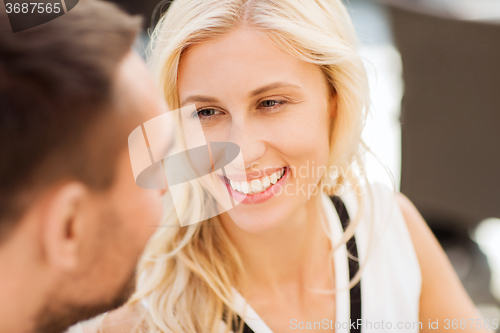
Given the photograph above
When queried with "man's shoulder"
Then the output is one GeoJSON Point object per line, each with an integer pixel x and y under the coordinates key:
{"type": "Point", "coordinates": [128, 318]}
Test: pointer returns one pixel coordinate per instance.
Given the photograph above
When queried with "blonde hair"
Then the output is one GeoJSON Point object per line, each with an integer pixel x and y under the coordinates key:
{"type": "Point", "coordinates": [186, 274]}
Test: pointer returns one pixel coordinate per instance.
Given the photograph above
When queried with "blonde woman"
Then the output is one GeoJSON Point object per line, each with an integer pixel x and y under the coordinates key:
{"type": "Point", "coordinates": [313, 245]}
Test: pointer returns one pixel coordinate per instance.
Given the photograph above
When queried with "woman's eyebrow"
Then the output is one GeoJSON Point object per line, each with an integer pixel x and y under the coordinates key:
{"type": "Point", "coordinates": [258, 91]}
{"type": "Point", "coordinates": [198, 98]}
{"type": "Point", "coordinates": [271, 86]}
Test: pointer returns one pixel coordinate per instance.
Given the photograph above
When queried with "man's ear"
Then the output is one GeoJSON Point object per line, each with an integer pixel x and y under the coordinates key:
{"type": "Point", "coordinates": [63, 224]}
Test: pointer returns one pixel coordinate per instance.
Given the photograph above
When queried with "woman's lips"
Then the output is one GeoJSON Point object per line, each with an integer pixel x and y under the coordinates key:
{"type": "Point", "coordinates": [258, 190]}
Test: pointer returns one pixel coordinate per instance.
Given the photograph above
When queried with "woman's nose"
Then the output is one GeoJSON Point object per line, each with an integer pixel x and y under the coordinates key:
{"type": "Point", "coordinates": [248, 135]}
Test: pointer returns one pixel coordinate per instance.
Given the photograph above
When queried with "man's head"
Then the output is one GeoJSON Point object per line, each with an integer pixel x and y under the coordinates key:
{"type": "Point", "coordinates": [72, 221]}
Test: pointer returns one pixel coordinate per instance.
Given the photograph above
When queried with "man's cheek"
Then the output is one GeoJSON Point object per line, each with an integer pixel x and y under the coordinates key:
{"type": "Point", "coordinates": [145, 221]}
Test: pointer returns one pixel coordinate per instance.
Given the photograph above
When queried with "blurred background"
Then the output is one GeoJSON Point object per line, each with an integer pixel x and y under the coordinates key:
{"type": "Point", "coordinates": [434, 125]}
{"type": "Point", "coordinates": [434, 70]}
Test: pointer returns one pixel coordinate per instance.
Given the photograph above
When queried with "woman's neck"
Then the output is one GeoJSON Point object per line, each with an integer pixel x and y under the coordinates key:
{"type": "Point", "coordinates": [294, 254]}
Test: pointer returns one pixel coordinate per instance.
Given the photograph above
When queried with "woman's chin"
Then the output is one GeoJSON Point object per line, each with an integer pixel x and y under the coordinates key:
{"type": "Point", "coordinates": [258, 227]}
{"type": "Point", "coordinates": [257, 222]}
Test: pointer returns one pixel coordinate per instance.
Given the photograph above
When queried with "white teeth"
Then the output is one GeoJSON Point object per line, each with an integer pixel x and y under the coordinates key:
{"type": "Point", "coordinates": [266, 182]}
{"type": "Point", "coordinates": [256, 185]}
{"type": "Point", "coordinates": [274, 178]}
{"type": "Point", "coordinates": [244, 187]}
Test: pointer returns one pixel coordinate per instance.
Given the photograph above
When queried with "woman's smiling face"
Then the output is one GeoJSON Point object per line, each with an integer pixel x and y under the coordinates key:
{"type": "Point", "coordinates": [277, 108]}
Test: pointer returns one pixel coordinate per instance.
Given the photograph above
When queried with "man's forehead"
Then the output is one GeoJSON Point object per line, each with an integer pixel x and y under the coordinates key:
{"type": "Point", "coordinates": [133, 76]}
{"type": "Point", "coordinates": [135, 88]}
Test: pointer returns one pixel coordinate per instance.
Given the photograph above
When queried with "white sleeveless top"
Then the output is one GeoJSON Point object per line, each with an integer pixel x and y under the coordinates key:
{"type": "Point", "coordinates": [391, 278]}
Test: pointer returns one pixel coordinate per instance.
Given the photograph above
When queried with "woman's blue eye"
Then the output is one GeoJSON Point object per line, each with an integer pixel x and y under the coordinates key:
{"type": "Point", "coordinates": [207, 112]}
{"type": "Point", "coordinates": [269, 103]}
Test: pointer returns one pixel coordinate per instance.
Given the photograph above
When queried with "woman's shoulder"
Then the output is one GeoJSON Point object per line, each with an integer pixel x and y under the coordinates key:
{"type": "Point", "coordinates": [383, 229]}
{"type": "Point", "coordinates": [375, 200]}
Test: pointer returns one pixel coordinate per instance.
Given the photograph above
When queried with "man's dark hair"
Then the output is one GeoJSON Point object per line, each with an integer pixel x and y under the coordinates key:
{"type": "Point", "coordinates": [56, 87]}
